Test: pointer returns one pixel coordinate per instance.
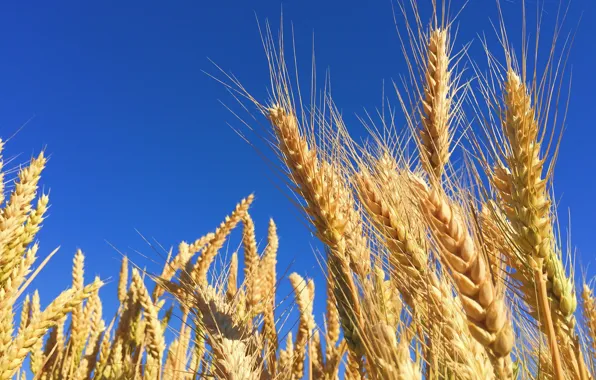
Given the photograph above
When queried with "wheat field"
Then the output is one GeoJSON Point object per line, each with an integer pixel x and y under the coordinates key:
{"type": "Point", "coordinates": [443, 252]}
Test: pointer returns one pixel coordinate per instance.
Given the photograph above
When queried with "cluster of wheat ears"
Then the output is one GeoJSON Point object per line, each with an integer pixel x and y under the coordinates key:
{"type": "Point", "coordinates": [433, 270]}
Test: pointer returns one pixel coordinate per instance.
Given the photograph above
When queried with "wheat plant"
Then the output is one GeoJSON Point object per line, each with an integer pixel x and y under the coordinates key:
{"type": "Point", "coordinates": [435, 268]}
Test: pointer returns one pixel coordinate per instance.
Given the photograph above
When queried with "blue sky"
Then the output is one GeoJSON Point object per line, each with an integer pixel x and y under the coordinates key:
{"type": "Point", "coordinates": [139, 140]}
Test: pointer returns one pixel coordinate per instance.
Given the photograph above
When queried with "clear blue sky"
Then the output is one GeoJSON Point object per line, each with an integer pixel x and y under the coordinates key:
{"type": "Point", "coordinates": [138, 138]}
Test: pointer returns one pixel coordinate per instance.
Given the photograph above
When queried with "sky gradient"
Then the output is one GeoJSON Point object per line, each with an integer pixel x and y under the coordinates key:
{"type": "Point", "coordinates": [116, 94]}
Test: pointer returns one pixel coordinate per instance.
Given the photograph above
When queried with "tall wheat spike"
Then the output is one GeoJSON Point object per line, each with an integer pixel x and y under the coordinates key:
{"type": "Point", "coordinates": [524, 193]}
{"type": "Point", "coordinates": [329, 205]}
{"type": "Point", "coordinates": [437, 104]}
{"type": "Point", "coordinates": [269, 263]}
{"type": "Point", "coordinates": [526, 203]}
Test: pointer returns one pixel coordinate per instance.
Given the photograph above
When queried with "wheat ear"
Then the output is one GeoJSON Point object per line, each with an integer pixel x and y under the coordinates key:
{"type": "Point", "coordinates": [205, 260]}
{"type": "Point", "coordinates": [436, 105]}
{"type": "Point", "coordinates": [123, 280]}
{"type": "Point", "coordinates": [330, 208]}
{"type": "Point", "coordinates": [251, 260]}
{"type": "Point", "coordinates": [437, 303]}
{"type": "Point", "coordinates": [524, 192]}
{"type": "Point", "coordinates": [9, 293]}
{"type": "Point", "coordinates": [156, 344]}
{"type": "Point", "coordinates": [78, 331]}
{"type": "Point", "coordinates": [25, 311]}
{"type": "Point", "coordinates": [37, 355]}
{"type": "Point", "coordinates": [97, 327]}
{"type": "Point", "coordinates": [488, 317]}
{"type": "Point", "coordinates": [304, 292]}
{"type": "Point", "coordinates": [268, 264]}
{"type": "Point", "coordinates": [286, 356]}
{"type": "Point", "coordinates": [185, 253]}
{"type": "Point", "coordinates": [332, 352]}
{"type": "Point", "coordinates": [233, 347]}
{"type": "Point", "coordinates": [526, 204]}
{"type": "Point", "coordinates": [232, 280]}
{"type": "Point", "coordinates": [13, 235]}
{"type": "Point", "coordinates": [407, 256]}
